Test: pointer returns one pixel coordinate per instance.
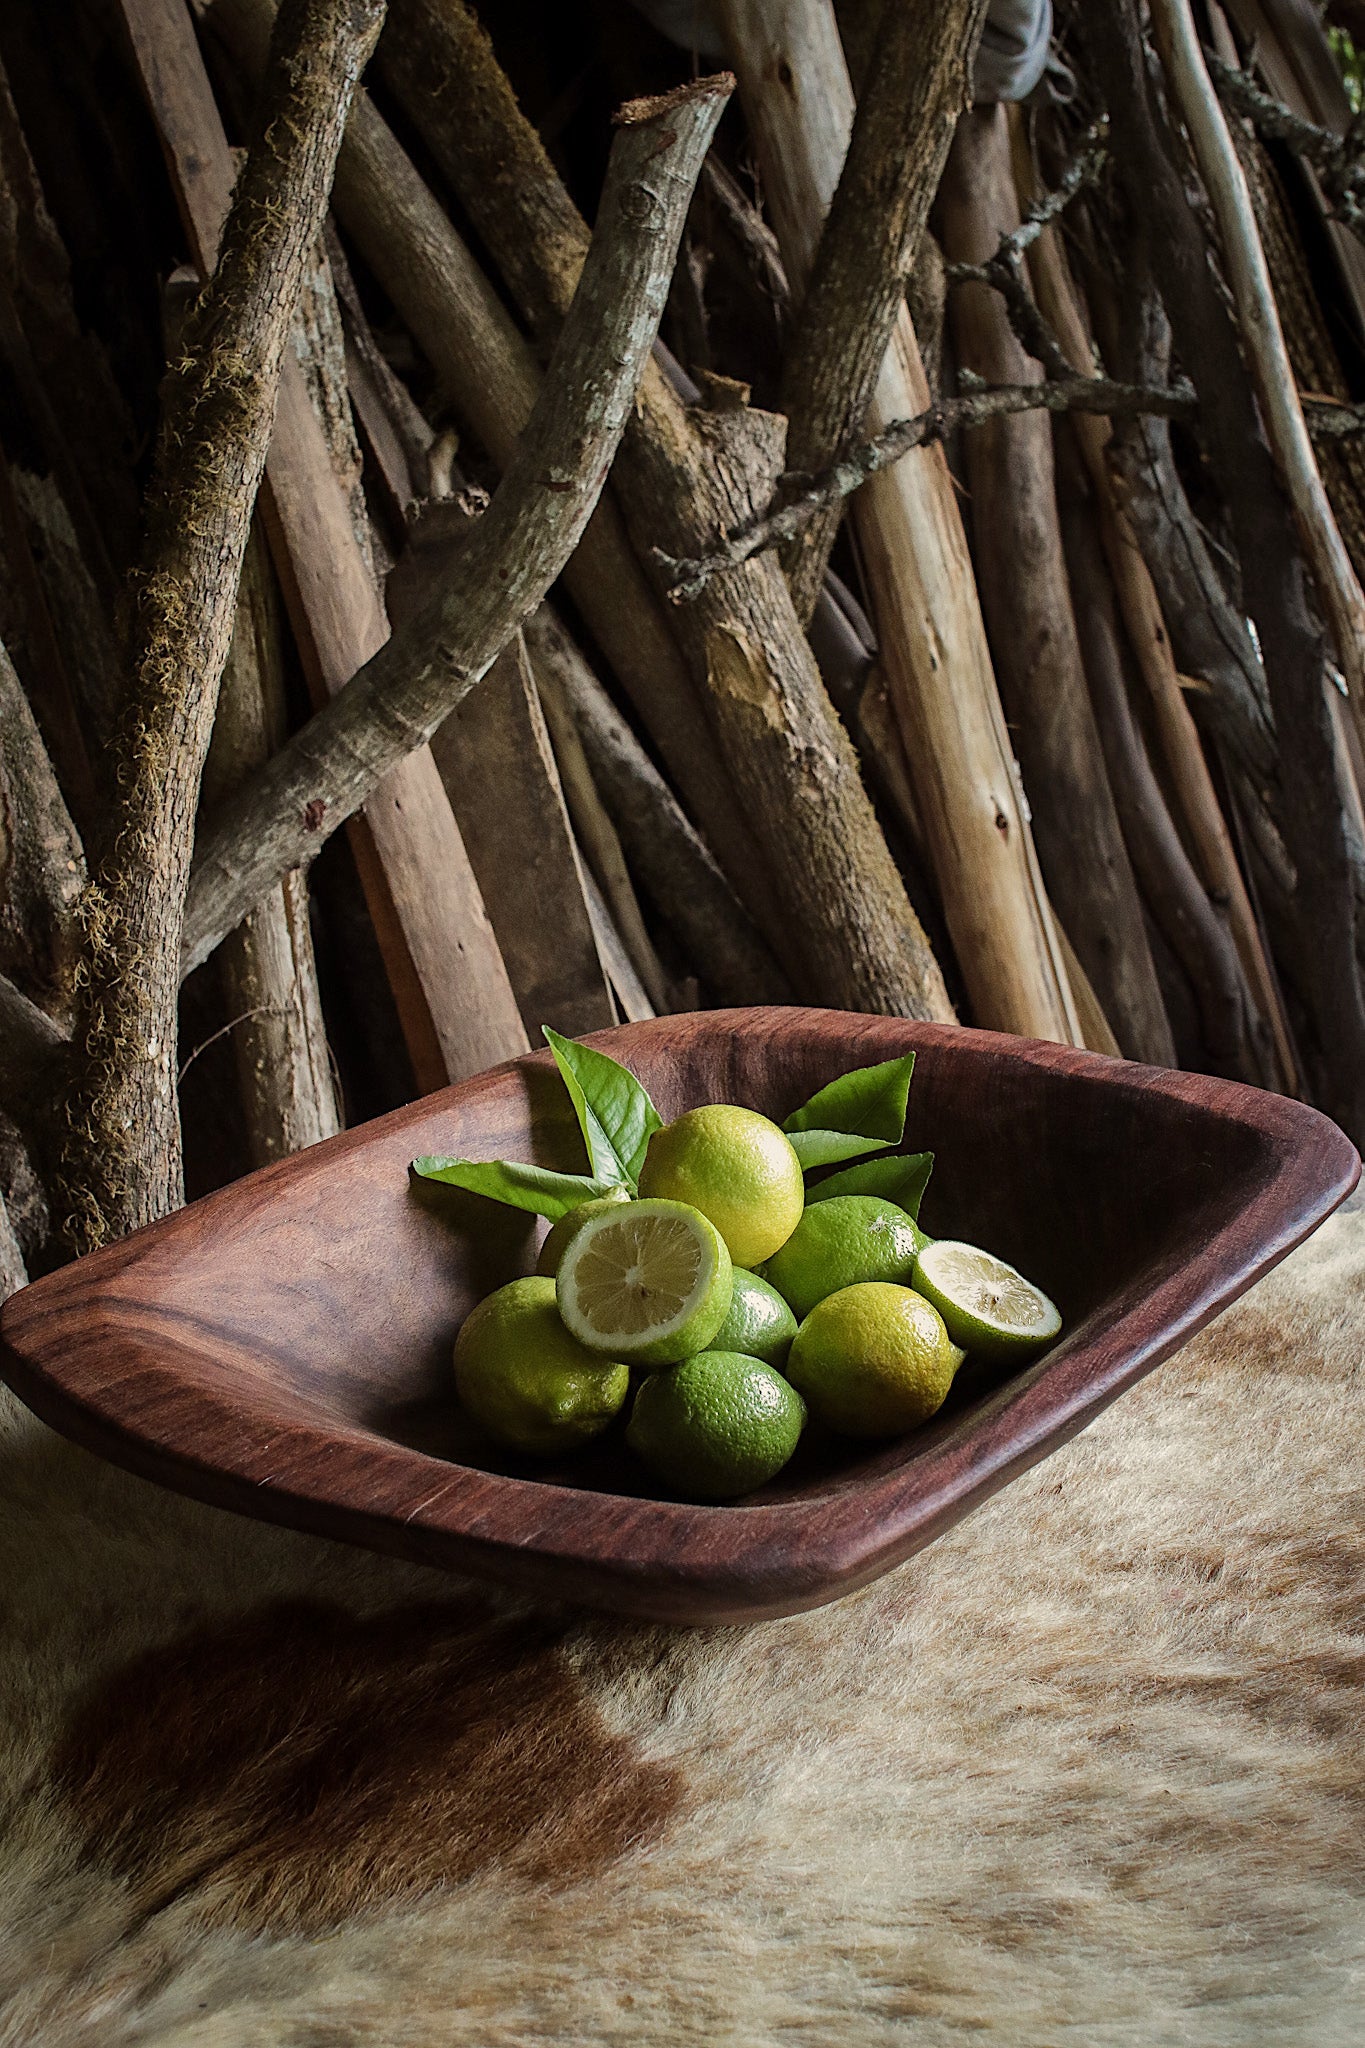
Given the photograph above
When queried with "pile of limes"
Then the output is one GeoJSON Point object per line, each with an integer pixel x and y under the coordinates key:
{"type": "Point", "coordinates": [727, 1309]}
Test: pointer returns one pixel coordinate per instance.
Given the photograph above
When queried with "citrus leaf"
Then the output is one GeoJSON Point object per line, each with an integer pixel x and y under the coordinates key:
{"type": "Point", "coordinates": [614, 1111]}
{"type": "Point", "coordinates": [826, 1148]}
{"type": "Point", "coordinates": [868, 1103]}
{"type": "Point", "coordinates": [901, 1179]}
{"type": "Point", "coordinates": [534, 1188]}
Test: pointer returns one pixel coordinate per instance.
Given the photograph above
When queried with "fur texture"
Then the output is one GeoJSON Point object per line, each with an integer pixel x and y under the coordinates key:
{"type": "Point", "coordinates": [1087, 1771]}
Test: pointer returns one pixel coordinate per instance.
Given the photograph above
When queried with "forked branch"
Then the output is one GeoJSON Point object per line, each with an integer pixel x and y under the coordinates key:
{"type": "Point", "coordinates": [547, 493]}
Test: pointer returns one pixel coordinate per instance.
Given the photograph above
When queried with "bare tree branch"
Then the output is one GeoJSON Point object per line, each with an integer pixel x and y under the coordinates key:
{"type": "Point", "coordinates": [815, 494]}
{"type": "Point", "coordinates": [1337, 159]}
{"type": "Point", "coordinates": [546, 496]}
{"type": "Point", "coordinates": [916, 86]}
{"type": "Point", "coordinates": [42, 863]}
{"type": "Point", "coordinates": [123, 1164]}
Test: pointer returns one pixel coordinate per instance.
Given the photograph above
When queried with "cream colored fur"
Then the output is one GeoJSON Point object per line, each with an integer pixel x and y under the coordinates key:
{"type": "Point", "coordinates": [1087, 1771]}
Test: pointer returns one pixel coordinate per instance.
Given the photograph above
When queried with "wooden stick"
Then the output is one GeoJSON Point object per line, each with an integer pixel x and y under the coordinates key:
{"type": "Point", "coordinates": [1022, 577]}
{"type": "Point", "coordinates": [915, 555]}
{"type": "Point", "coordinates": [1263, 338]}
{"type": "Point", "coordinates": [631, 992]}
{"type": "Point", "coordinates": [13, 1272]}
{"type": "Point", "coordinates": [1151, 646]}
{"type": "Point", "coordinates": [856, 271]}
{"type": "Point", "coordinates": [32, 1047]}
{"type": "Point", "coordinates": [1198, 938]}
{"type": "Point", "coordinates": [514, 552]}
{"type": "Point", "coordinates": [267, 970]}
{"type": "Point", "coordinates": [1319, 942]}
{"type": "Point", "coordinates": [493, 376]}
{"type": "Point", "coordinates": [499, 771]}
{"type": "Point", "coordinates": [41, 858]}
{"type": "Point", "coordinates": [124, 1161]}
{"type": "Point", "coordinates": [597, 835]}
{"type": "Point", "coordinates": [673, 862]}
{"type": "Point", "coordinates": [454, 1001]}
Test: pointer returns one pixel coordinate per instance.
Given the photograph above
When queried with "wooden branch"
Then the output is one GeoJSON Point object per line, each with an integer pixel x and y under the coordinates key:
{"type": "Point", "coordinates": [42, 862]}
{"type": "Point", "coordinates": [32, 1047]}
{"type": "Point", "coordinates": [1336, 159]}
{"type": "Point", "coordinates": [1322, 936]}
{"type": "Point", "coordinates": [486, 366]}
{"type": "Point", "coordinates": [1196, 935]}
{"type": "Point", "coordinates": [124, 1161]}
{"type": "Point", "coordinates": [673, 863]}
{"type": "Point", "coordinates": [266, 966]}
{"type": "Point", "coordinates": [517, 549]}
{"type": "Point", "coordinates": [917, 84]}
{"type": "Point", "coordinates": [1263, 339]}
{"type": "Point", "coordinates": [595, 832]}
{"type": "Point", "coordinates": [751, 235]}
{"type": "Point", "coordinates": [1022, 577]}
{"type": "Point", "coordinates": [915, 556]}
{"type": "Point", "coordinates": [823, 887]}
{"type": "Point", "coordinates": [495, 758]}
{"type": "Point", "coordinates": [687, 578]}
{"type": "Point", "coordinates": [1151, 646]}
{"type": "Point", "coordinates": [449, 984]}
{"type": "Point", "coordinates": [13, 1273]}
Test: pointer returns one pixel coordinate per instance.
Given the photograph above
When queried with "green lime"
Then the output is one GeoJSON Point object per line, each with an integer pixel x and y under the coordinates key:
{"type": "Point", "coordinates": [717, 1425]}
{"type": "Point", "coordinates": [555, 1245]}
{"type": "Point", "coordinates": [873, 1360]}
{"type": "Point", "coordinates": [988, 1307]}
{"type": "Point", "coordinates": [759, 1324]}
{"type": "Point", "coordinates": [531, 1384]}
{"type": "Point", "coordinates": [840, 1242]}
{"type": "Point", "coordinates": [646, 1281]}
{"type": "Point", "coordinates": [737, 1168]}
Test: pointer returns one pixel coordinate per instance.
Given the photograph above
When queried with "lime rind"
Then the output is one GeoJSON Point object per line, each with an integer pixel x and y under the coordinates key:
{"type": "Point", "coordinates": [648, 1281]}
{"type": "Point", "coordinates": [987, 1305]}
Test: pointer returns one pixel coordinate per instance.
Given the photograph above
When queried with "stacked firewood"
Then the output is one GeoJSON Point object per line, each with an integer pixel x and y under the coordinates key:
{"type": "Point", "coordinates": [970, 625]}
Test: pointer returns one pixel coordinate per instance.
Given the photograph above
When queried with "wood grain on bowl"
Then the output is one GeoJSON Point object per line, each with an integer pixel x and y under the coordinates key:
{"type": "Point", "coordinates": [283, 1346]}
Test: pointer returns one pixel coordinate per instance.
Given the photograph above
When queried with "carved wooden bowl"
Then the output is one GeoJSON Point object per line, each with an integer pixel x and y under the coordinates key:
{"type": "Point", "coordinates": [283, 1346]}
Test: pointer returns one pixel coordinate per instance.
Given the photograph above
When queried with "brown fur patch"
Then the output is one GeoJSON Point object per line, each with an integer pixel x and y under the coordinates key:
{"type": "Point", "coordinates": [301, 1764]}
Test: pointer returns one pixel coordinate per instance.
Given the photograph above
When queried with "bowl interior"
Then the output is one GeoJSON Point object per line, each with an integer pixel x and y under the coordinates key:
{"type": "Point", "coordinates": [341, 1302]}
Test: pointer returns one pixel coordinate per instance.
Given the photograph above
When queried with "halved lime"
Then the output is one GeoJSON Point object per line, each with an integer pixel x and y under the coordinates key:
{"type": "Point", "coordinates": [987, 1307]}
{"type": "Point", "coordinates": [647, 1281]}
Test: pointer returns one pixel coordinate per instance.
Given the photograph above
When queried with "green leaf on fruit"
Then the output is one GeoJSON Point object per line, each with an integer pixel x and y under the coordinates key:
{"type": "Point", "coordinates": [901, 1180]}
{"type": "Point", "coordinates": [534, 1188]}
{"type": "Point", "coordinates": [614, 1111]}
{"type": "Point", "coordinates": [863, 1111]}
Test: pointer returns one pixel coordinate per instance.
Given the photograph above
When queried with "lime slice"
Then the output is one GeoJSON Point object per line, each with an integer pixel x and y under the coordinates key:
{"type": "Point", "coordinates": [647, 1281]}
{"type": "Point", "coordinates": [988, 1308]}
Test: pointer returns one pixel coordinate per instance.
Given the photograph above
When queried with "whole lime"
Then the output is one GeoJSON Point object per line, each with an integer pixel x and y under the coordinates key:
{"type": "Point", "coordinates": [533, 1386]}
{"type": "Point", "coordinates": [735, 1166]}
{"type": "Point", "coordinates": [562, 1233]}
{"type": "Point", "coordinates": [759, 1324]}
{"type": "Point", "coordinates": [873, 1360]}
{"type": "Point", "coordinates": [717, 1425]}
{"type": "Point", "coordinates": [840, 1242]}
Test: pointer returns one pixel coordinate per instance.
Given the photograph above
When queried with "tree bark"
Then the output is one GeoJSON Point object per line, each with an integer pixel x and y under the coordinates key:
{"type": "Point", "coordinates": [918, 82]}
{"type": "Point", "coordinates": [1022, 577]}
{"type": "Point", "coordinates": [124, 1157]}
